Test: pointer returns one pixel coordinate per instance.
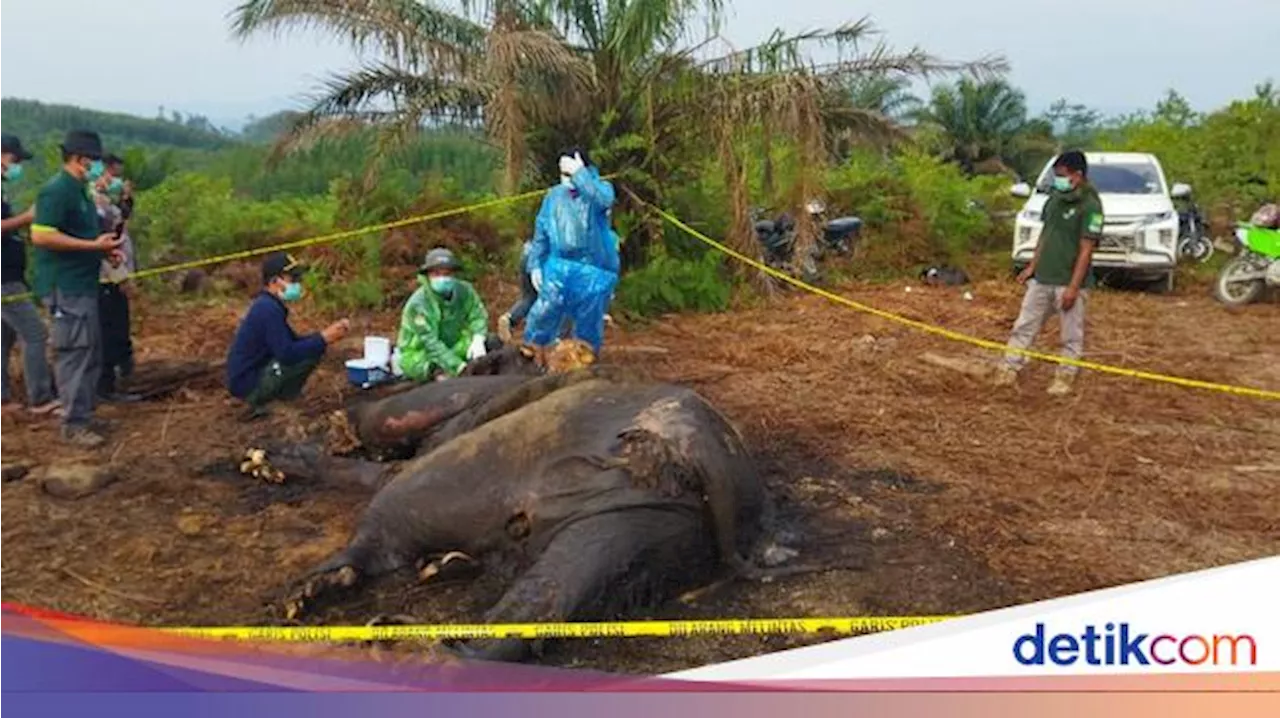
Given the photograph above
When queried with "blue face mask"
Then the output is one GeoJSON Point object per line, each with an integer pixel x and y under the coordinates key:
{"type": "Point", "coordinates": [13, 172]}
{"type": "Point", "coordinates": [292, 292]}
{"type": "Point", "coordinates": [1062, 184]}
{"type": "Point", "coordinates": [115, 185]}
{"type": "Point", "coordinates": [442, 285]}
{"type": "Point", "coordinates": [95, 170]}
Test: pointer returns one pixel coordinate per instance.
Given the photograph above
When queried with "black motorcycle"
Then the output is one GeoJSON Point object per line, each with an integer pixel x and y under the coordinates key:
{"type": "Point", "coordinates": [1194, 242]}
{"type": "Point", "coordinates": [777, 237]}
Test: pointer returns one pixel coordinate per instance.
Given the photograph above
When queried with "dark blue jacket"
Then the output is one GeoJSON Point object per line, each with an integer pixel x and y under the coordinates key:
{"type": "Point", "coordinates": [264, 334]}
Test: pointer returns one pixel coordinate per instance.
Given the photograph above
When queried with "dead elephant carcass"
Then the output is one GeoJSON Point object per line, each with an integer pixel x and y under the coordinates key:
{"type": "Point", "coordinates": [616, 494]}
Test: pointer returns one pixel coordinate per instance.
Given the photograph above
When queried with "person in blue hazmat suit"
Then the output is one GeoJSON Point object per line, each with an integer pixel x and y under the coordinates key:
{"type": "Point", "coordinates": [573, 256]}
{"type": "Point", "coordinates": [515, 316]}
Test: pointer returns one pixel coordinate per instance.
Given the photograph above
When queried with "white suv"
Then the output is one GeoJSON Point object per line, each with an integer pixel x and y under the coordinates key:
{"type": "Point", "coordinates": [1140, 222]}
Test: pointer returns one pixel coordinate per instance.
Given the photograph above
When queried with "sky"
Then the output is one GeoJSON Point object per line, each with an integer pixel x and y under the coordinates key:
{"type": "Point", "coordinates": [1112, 55]}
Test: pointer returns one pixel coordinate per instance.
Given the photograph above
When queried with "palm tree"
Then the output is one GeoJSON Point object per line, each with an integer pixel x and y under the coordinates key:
{"type": "Point", "coordinates": [631, 79]}
{"type": "Point", "coordinates": [984, 122]}
{"type": "Point", "coordinates": [869, 107]}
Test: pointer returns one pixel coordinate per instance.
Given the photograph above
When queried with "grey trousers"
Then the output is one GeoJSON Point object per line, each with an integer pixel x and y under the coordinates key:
{"type": "Point", "coordinates": [1038, 304]}
{"type": "Point", "coordinates": [77, 347]}
{"type": "Point", "coordinates": [22, 321]}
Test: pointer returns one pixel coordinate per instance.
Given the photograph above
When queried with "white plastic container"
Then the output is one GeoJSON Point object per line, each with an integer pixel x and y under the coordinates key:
{"type": "Point", "coordinates": [395, 363]}
{"type": "Point", "coordinates": [364, 373]}
{"type": "Point", "coordinates": [377, 351]}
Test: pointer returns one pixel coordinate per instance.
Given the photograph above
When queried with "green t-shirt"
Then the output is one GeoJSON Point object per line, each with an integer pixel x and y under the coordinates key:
{"type": "Point", "coordinates": [64, 205]}
{"type": "Point", "coordinates": [1069, 217]}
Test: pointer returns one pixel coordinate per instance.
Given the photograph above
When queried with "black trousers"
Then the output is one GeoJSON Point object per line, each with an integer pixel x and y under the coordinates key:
{"type": "Point", "coordinates": [117, 346]}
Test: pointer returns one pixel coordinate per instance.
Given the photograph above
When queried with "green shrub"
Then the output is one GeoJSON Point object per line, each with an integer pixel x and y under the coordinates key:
{"type": "Point", "coordinates": [668, 285]}
{"type": "Point", "coordinates": [917, 208]}
{"type": "Point", "coordinates": [192, 216]}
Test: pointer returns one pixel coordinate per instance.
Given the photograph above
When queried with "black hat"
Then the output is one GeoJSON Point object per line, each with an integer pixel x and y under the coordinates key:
{"type": "Point", "coordinates": [280, 263]}
{"type": "Point", "coordinates": [83, 143]}
{"type": "Point", "coordinates": [13, 146]}
{"type": "Point", "coordinates": [578, 150]}
{"type": "Point", "coordinates": [1073, 160]}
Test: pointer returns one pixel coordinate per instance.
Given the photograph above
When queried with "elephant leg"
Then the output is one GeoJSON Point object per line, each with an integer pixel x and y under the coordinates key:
{"type": "Point", "coordinates": [600, 566]}
{"type": "Point", "coordinates": [368, 555]}
{"type": "Point", "coordinates": [311, 463]}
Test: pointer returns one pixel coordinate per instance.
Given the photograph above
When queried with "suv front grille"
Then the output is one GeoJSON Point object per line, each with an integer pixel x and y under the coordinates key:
{"type": "Point", "coordinates": [1116, 242]}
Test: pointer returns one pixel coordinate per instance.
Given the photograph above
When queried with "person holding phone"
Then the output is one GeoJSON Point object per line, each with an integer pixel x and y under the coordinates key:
{"type": "Point", "coordinates": [69, 248]}
{"type": "Point", "coordinates": [116, 288]}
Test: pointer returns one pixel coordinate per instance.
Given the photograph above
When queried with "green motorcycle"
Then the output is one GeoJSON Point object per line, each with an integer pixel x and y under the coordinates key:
{"type": "Point", "coordinates": [1256, 267]}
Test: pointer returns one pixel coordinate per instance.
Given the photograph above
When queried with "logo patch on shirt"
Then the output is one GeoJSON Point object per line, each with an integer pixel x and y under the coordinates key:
{"type": "Point", "coordinates": [1095, 222]}
{"type": "Point", "coordinates": [1069, 213]}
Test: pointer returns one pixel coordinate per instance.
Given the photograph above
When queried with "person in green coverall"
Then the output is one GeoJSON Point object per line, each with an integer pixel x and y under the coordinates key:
{"type": "Point", "coordinates": [444, 324]}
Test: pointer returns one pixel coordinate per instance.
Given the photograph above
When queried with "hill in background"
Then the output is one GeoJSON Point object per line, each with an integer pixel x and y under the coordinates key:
{"type": "Point", "coordinates": [36, 122]}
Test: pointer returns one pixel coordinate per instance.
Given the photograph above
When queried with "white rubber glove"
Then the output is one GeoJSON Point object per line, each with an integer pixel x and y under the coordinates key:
{"type": "Point", "coordinates": [476, 349]}
{"type": "Point", "coordinates": [536, 277]}
{"type": "Point", "coordinates": [570, 165]}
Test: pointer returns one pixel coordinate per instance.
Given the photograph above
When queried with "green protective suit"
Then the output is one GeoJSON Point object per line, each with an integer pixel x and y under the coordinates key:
{"type": "Point", "coordinates": [436, 331]}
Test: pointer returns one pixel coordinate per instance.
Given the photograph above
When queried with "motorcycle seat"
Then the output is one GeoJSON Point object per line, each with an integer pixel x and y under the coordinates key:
{"type": "Point", "coordinates": [844, 225]}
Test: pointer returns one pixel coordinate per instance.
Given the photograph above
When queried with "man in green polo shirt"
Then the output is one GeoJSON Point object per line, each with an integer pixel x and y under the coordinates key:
{"type": "Point", "coordinates": [1060, 274]}
{"type": "Point", "coordinates": [69, 249]}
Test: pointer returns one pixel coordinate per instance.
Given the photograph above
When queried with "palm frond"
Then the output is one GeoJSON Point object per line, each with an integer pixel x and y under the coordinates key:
{"type": "Point", "coordinates": [385, 96]}
{"type": "Point", "coordinates": [410, 32]}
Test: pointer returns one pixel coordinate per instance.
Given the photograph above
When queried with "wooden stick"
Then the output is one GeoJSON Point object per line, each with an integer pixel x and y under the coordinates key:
{"type": "Point", "coordinates": [107, 589]}
{"type": "Point", "coordinates": [164, 428]}
{"type": "Point", "coordinates": [116, 454]}
{"type": "Point", "coordinates": [638, 349]}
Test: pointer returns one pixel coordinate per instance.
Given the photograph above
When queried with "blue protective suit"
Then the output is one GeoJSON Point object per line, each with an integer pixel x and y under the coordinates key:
{"type": "Point", "coordinates": [577, 251]}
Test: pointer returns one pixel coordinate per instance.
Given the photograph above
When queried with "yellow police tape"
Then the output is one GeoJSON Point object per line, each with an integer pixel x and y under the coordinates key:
{"type": "Point", "coordinates": [312, 241]}
{"type": "Point", "coordinates": [965, 338]}
{"type": "Point", "coordinates": [608, 629]}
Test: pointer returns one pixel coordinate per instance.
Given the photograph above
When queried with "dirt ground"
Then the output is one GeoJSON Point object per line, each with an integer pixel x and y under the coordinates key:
{"type": "Point", "coordinates": [952, 496]}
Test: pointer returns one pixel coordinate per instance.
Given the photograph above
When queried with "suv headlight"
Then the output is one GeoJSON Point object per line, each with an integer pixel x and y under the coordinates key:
{"type": "Point", "coordinates": [1164, 236]}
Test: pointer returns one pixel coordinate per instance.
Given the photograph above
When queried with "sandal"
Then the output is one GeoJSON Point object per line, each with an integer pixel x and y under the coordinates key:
{"type": "Point", "coordinates": [47, 408]}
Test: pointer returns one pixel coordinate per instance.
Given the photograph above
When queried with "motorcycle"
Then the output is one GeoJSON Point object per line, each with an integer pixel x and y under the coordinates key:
{"type": "Point", "coordinates": [1256, 267]}
{"type": "Point", "coordinates": [777, 238]}
{"type": "Point", "coordinates": [1194, 242]}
